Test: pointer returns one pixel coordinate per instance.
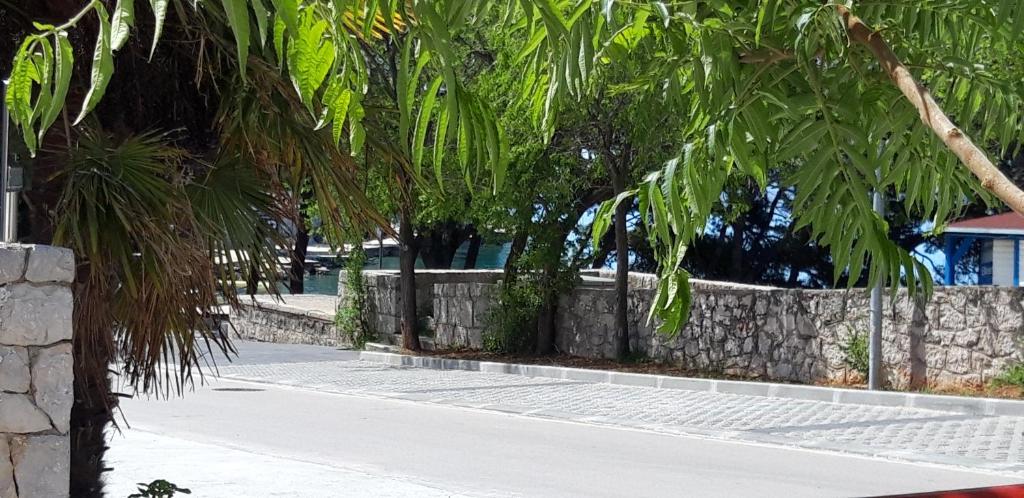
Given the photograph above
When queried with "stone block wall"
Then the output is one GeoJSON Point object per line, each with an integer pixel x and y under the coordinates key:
{"type": "Point", "coordinates": [36, 370]}
{"type": "Point", "coordinates": [460, 313]}
{"type": "Point", "coordinates": [302, 319]}
{"type": "Point", "coordinates": [384, 301]}
{"type": "Point", "coordinates": [961, 336]}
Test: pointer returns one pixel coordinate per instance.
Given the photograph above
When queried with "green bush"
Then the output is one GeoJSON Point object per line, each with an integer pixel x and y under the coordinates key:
{"type": "Point", "coordinates": [350, 318]}
{"type": "Point", "coordinates": [856, 354]}
{"type": "Point", "coordinates": [1013, 376]}
{"type": "Point", "coordinates": [159, 489]}
{"type": "Point", "coordinates": [510, 323]}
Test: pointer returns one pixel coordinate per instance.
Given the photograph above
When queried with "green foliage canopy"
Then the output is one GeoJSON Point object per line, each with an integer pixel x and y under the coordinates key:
{"type": "Point", "coordinates": [762, 82]}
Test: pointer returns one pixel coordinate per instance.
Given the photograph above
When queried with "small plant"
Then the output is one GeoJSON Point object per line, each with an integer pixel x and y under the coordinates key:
{"type": "Point", "coordinates": [510, 323]}
{"type": "Point", "coordinates": [856, 355]}
{"type": "Point", "coordinates": [1013, 376]}
{"type": "Point", "coordinates": [350, 318]}
{"type": "Point", "coordinates": [159, 489]}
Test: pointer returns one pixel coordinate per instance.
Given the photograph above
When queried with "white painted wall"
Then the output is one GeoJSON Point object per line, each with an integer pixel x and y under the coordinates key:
{"type": "Point", "coordinates": [1002, 262]}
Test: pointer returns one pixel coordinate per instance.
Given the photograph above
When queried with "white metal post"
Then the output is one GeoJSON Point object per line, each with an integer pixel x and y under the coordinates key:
{"type": "Point", "coordinates": [875, 341]}
{"type": "Point", "coordinates": [5, 205]}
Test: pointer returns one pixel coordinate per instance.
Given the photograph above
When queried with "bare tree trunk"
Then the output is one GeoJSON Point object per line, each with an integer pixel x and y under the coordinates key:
{"type": "Point", "coordinates": [738, 229]}
{"type": "Point", "coordinates": [473, 252]}
{"type": "Point", "coordinates": [932, 115]}
{"type": "Point", "coordinates": [91, 413]}
{"type": "Point", "coordinates": [515, 251]}
{"type": "Point", "coordinates": [297, 272]}
{"type": "Point", "coordinates": [546, 327]}
{"type": "Point", "coordinates": [407, 278]}
{"type": "Point", "coordinates": [438, 243]}
{"type": "Point", "coordinates": [621, 269]}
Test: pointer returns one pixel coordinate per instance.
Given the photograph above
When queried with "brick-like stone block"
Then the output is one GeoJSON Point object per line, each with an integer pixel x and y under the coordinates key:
{"type": "Point", "coordinates": [52, 383]}
{"type": "Point", "coordinates": [18, 415]}
{"type": "Point", "coordinates": [14, 369]}
{"type": "Point", "coordinates": [50, 264]}
{"type": "Point", "coordinates": [12, 262]}
{"type": "Point", "coordinates": [7, 486]}
{"type": "Point", "coordinates": [42, 465]}
{"type": "Point", "coordinates": [34, 316]}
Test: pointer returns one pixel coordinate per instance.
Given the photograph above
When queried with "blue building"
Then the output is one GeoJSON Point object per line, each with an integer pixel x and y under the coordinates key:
{"type": "Point", "coordinates": [1000, 239]}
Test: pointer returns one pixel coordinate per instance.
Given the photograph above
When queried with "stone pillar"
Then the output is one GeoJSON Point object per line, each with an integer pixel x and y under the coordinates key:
{"type": "Point", "coordinates": [35, 370]}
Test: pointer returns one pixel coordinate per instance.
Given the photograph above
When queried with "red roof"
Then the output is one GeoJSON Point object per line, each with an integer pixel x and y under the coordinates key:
{"type": "Point", "coordinates": [1006, 222]}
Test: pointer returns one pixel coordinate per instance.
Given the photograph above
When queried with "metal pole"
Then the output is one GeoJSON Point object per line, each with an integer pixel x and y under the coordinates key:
{"type": "Point", "coordinates": [4, 228]}
{"type": "Point", "coordinates": [875, 342]}
{"type": "Point", "coordinates": [380, 249]}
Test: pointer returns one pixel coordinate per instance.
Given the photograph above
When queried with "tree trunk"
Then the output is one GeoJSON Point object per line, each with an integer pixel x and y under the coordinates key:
{"type": "Point", "coordinates": [621, 269]}
{"type": "Point", "coordinates": [297, 272]}
{"type": "Point", "coordinates": [407, 278]}
{"type": "Point", "coordinates": [739, 228]}
{"type": "Point", "coordinates": [438, 244]}
{"type": "Point", "coordinates": [546, 326]}
{"type": "Point", "coordinates": [515, 251]}
{"type": "Point", "coordinates": [94, 405]}
{"type": "Point", "coordinates": [91, 412]}
{"type": "Point", "coordinates": [473, 252]}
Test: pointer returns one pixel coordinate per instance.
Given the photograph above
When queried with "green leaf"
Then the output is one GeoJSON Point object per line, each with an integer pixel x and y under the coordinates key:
{"type": "Point", "coordinates": [237, 12]}
{"type": "Point", "coordinates": [310, 58]}
{"type": "Point", "coordinates": [64, 66]}
{"type": "Point", "coordinates": [262, 18]}
{"type": "Point", "coordinates": [159, 14]}
{"type": "Point", "coordinates": [605, 215]}
{"type": "Point", "coordinates": [602, 221]}
{"type": "Point", "coordinates": [279, 29]}
{"type": "Point", "coordinates": [120, 26]}
{"type": "Point", "coordinates": [356, 132]}
{"type": "Point", "coordinates": [464, 140]}
{"type": "Point", "coordinates": [288, 11]}
{"type": "Point", "coordinates": [102, 65]}
{"type": "Point", "coordinates": [44, 76]}
{"type": "Point", "coordinates": [440, 136]}
{"type": "Point", "coordinates": [337, 100]}
{"type": "Point", "coordinates": [423, 122]}
{"type": "Point", "coordinates": [18, 97]}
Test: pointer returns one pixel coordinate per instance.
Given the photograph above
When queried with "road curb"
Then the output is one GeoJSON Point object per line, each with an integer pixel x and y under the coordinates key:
{"type": "Point", "coordinates": [951, 404]}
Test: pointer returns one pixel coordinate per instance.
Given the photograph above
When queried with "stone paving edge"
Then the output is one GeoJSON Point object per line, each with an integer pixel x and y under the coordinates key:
{"type": "Point", "coordinates": [950, 404]}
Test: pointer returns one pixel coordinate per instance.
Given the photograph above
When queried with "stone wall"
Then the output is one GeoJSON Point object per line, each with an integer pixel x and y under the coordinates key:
{"type": "Point", "coordinates": [35, 370]}
{"type": "Point", "coordinates": [460, 313]}
{"type": "Point", "coordinates": [384, 301]}
{"type": "Point", "coordinates": [300, 319]}
{"type": "Point", "coordinates": [961, 336]}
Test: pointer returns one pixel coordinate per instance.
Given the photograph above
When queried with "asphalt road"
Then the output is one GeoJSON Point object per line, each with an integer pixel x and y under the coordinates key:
{"type": "Point", "coordinates": [237, 438]}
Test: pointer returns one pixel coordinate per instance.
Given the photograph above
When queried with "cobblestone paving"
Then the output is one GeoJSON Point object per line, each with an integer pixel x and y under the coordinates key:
{"type": "Point", "coordinates": [984, 442]}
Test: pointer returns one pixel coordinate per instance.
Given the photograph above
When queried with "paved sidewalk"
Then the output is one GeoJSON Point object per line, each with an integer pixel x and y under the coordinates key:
{"type": "Point", "coordinates": [987, 443]}
{"type": "Point", "coordinates": [215, 471]}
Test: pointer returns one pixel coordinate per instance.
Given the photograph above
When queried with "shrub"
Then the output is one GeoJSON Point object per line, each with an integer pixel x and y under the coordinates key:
{"type": "Point", "coordinates": [350, 318]}
{"type": "Point", "coordinates": [159, 489]}
{"type": "Point", "coordinates": [1013, 376]}
{"type": "Point", "coordinates": [856, 353]}
{"type": "Point", "coordinates": [510, 323]}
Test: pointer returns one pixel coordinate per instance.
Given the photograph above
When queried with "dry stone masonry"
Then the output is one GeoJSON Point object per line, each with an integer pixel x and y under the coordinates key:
{"type": "Point", "coordinates": [961, 336]}
{"type": "Point", "coordinates": [35, 370]}
{"type": "Point", "coordinates": [300, 319]}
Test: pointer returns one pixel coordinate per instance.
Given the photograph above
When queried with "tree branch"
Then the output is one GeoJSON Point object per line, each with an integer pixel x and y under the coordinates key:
{"type": "Point", "coordinates": [932, 115]}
